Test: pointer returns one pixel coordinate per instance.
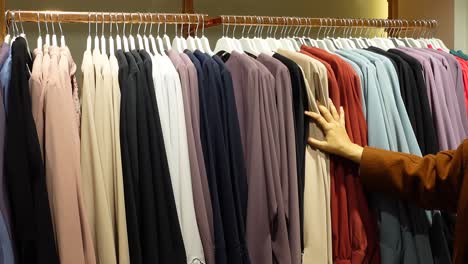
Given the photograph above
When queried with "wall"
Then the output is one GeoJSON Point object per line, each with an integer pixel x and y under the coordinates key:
{"type": "Point", "coordinates": [441, 10]}
{"type": "Point", "coordinates": [461, 25]}
{"type": "Point", "coordinates": [76, 34]}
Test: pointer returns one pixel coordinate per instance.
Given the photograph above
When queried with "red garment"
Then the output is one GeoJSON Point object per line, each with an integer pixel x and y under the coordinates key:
{"type": "Point", "coordinates": [355, 238]}
{"type": "Point", "coordinates": [464, 65]}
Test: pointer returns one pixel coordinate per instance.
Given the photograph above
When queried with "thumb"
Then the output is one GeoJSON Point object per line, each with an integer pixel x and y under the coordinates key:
{"type": "Point", "coordinates": [318, 144]}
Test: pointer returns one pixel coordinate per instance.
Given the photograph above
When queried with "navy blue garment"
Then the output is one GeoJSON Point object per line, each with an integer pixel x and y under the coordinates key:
{"type": "Point", "coordinates": [31, 221]}
{"type": "Point", "coordinates": [169, 244]}
{"type": "Point", "coordinates": [133, 233]}
{"type": "Point", "coordinates": [213, 141]}
{"type": "Point", "coordinates": [208, 153]}
{"type": "Point", "coordinates": [300, 127]}
{"type": "Point", "coordinates": [235, 152]}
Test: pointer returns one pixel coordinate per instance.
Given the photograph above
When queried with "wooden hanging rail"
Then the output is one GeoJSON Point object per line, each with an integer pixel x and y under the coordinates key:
{"type": "Point", "coordinates": [104, 17]}
{"type": "Point", "coordinates": [322, 22]}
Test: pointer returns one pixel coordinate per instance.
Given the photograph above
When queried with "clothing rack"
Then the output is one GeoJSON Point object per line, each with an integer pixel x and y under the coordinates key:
{"type": "Point", "coordinates": [103, 17]}
{"type": "Point", "coordinates": [321, 22]}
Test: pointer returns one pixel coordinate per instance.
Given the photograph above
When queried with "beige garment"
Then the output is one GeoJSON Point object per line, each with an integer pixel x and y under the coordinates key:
{"type": "Point", "coordinates": [317, 207]}
{"type": "Point", "coordinates": [120, 220]}
{"type": "Point", "coordinates": [62, 162]}
{"type": "Point", "coordinates": [37, 84]}
{"type": "Point", "coordinates": [94, 186]}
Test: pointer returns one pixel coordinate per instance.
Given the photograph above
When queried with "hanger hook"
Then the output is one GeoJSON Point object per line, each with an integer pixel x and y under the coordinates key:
{"type": "Point", "coordinates": [124, 24]}
{"type": "Point", "coordinates": [38, 24]}
{"type": "Point", "coordinates": [45, 22]}
{"type": "Point", "coordinates": [139, 24]}
{"type": "Point", "coordinates": [102, 29]}
{"type": "Point", "coordinates": [198, 24]}
{"type": "Point", "coordinates": [189, 23]}
{"type": "Point", "coordinates": [165, 25]}
{"type": "Point", "coordinates": [110, 24]}
{"type": "Point", "coordinates": [182, 22]}
{"type": "Point", "coordinates": [234, 29]}
{"type": "Point", "coordinates": [151, 24]}
{"type": "Point", "coordinates": [203, 25]}
{"type": "Point", "coordinates": [21, 22]}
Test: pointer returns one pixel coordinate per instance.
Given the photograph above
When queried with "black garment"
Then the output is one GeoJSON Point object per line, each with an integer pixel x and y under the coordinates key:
{"type": "Point", "coordinates": [440, 246]}
{"type": "Point", "coordinates": [170, 243]}
{"type": "Point", "coordinates": [208, 152]}
{"type": "Point", "coordinates": [147, 218]}
{"type": "Point", "coordinates": [299, 97]}
{"type": "Point", "coordinates": [32, 228]}
{"type": "Point", "coordinates": [235, 153]}
{"type": "Point", "coordinates": [130, 190]}
{"type": "Point", "coordinates": [216, 156]}
{"type": "Point", "coordinates": [416, 94]}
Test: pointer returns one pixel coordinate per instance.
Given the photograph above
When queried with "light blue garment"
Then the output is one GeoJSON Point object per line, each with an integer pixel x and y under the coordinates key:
{"type": "Point", "coordinates": [6, 247]}
{"type": "Point", "coordinates": [388, 209]}
{"type": "Point", "coordinates": [5, 76]}
{"type": "Point", "coordinates": [361, 78]}
{"type": "Point", "coordinates": [400, 125]}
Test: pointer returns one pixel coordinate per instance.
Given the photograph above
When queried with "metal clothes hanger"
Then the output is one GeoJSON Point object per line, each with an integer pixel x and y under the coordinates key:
{"type": "Point", "coordinates": [47, 36]}
{"type": "Point", "coordinates": [145, 37]}
{"type": "Point", "coordinates": [118, 40]}
{"type": "Point", "coordinates": [139, 38]}
{"type": "Point", "coordinates": [63, 44]}
{"type": "Point", "coordinates": [167, 41]}
{"type": "Point", "coordinates": [88, 39]}
{"type": "Point", "coordinates": [54, 36]}
{"type": "Point", "coordinates": [124, 37]}
{"type": "Point", "coordinates": [8, 36]}
{"type": "Point", "coordinates": [96, 37]}
{"type": "Point", "coordinates": [130, 37]}
{"type": "Point", "coordinates": [160, 40]}
{"type": "Point", "coordinates": [204, 39]}
{"type": "Point", "coordinates": [191, 45]}
{"type": "Point", "coordinates": [176, 43]}
{"type": "Point", "coordinates": [39, 34]}
{"type": "Point", "coordinates": [111, 38]}
{"type": "Point", "coordinates": [103, 38]}
{"type": "Point", "coordinates": [151, 37]}
{"type": "Point", "coordinates": [198, 41]}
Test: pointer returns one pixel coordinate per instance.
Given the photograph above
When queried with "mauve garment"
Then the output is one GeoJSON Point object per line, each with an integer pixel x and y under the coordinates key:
{"type": "Point", "coordinates": [197, 166]}
{"type": "Point", "coordinates": [288, 167]}
{"type": "Point", "coordinates": [251, 104]}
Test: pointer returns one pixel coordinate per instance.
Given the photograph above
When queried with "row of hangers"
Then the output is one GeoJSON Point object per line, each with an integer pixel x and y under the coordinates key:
{"type": "Point", "coordinates": [146, 41]}
{"type": "Point", "coordinates": [385, 36]}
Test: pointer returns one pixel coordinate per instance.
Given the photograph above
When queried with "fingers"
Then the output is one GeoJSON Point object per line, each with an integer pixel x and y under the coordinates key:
{"type": "Point", "coordinates": [318, 144]}
{"type": "Point", "coordinates": [333, 111]}
{"type": "Point", "coordinates": [318, 118]}
{"type": "Point", "coordinates": [342, 116]}
{"type": "Point", "coordinates": [326, 114]}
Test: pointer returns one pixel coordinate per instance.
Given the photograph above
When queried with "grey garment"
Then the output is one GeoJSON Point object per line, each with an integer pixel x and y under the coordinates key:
{"type": "Point", "coordinates": [4, 53]}
{"type": "Point", "coordinates": [445, 119]}
{"type": "Point", "coordinates": [288, 168]}
{"type": "Point", "coordinates": [201, 192]}
{"type": "Point", "coordinates": [455, 70]}
{"type": "Point", "coordinates": [251, 82]}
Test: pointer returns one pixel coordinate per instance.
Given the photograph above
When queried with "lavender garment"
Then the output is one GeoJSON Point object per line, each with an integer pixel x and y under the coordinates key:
{"type": "Point", "coordinates": [442, 109]}
{"type": "Point", "coordinates": [288, 170]}
{"type": "Point", "coordinates": [457, 74]}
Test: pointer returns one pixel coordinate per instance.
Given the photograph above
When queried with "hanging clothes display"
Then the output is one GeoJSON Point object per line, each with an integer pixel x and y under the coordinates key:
{"type": "Point", "coordinates": [172, 153]}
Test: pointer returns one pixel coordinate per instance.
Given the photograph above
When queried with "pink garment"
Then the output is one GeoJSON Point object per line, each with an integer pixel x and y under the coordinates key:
{"type": "Point", "coordinates": [464, 65]}
{"type": "Point", "coordinates": [62, 162]}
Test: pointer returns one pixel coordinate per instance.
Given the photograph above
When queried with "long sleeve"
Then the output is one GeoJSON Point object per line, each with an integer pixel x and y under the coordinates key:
{"type": "Point", "coordinates": [434, 181]}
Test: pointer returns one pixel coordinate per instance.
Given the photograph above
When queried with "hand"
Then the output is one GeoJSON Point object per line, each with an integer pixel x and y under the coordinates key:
{"type": "Point", "coordinates": [337, 140]}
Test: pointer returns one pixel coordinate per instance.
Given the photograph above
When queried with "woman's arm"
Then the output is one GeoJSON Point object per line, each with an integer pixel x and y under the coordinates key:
{"type": "Point", "coordinates": [433, 181]}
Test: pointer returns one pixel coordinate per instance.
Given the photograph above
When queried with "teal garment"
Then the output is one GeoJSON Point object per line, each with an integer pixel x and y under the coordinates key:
{"type": "Point", "coordinates": [459, 54]}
